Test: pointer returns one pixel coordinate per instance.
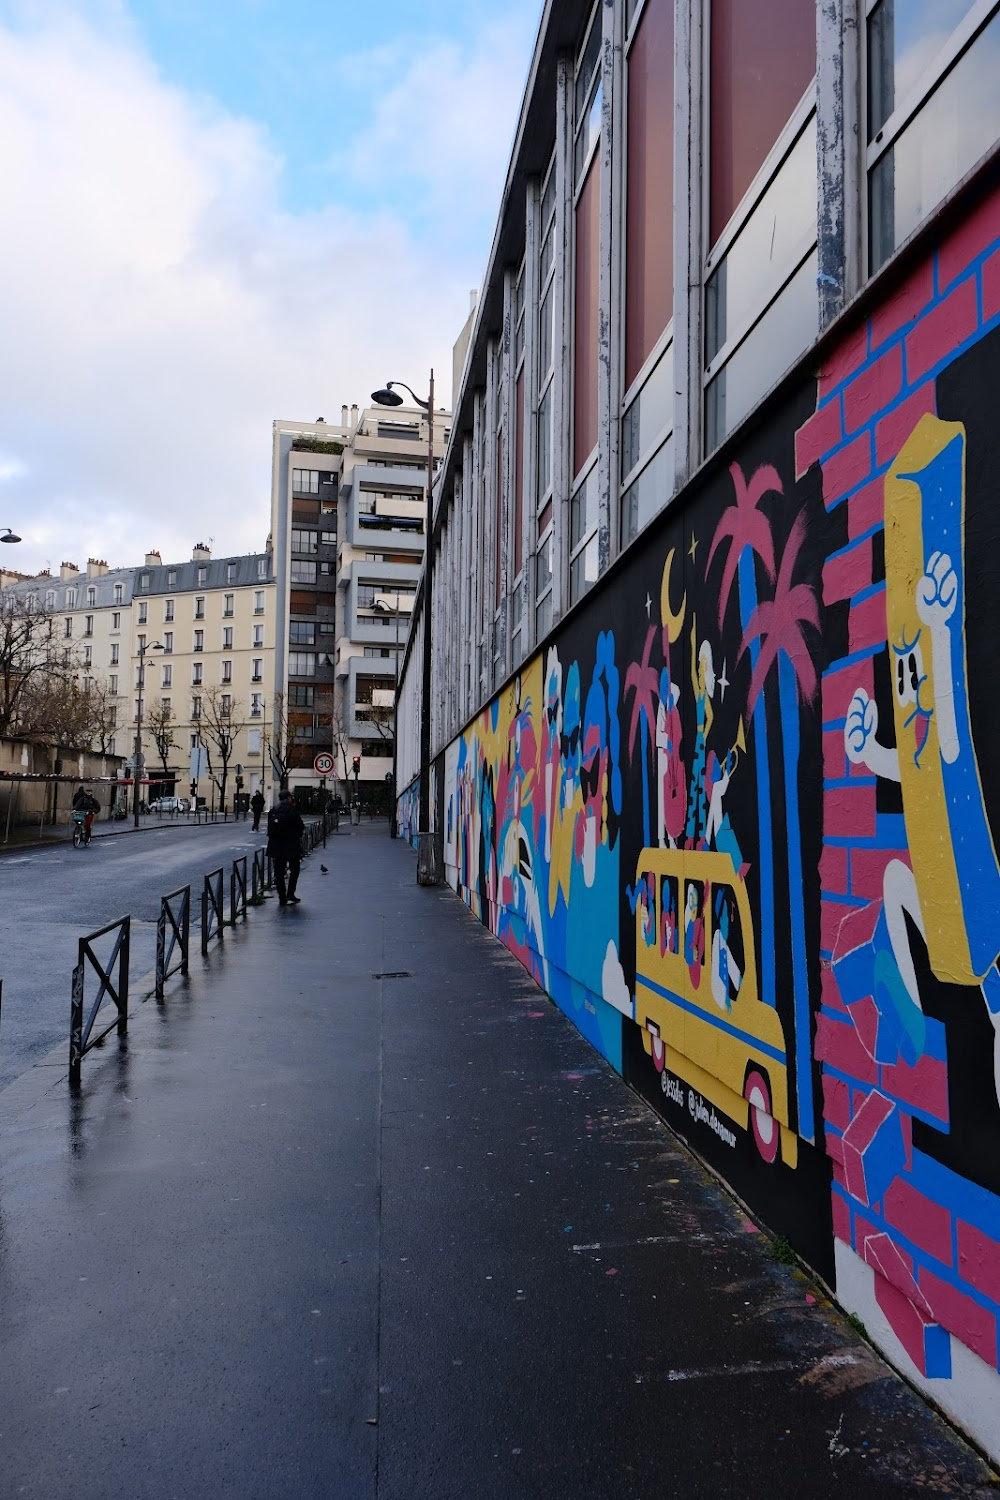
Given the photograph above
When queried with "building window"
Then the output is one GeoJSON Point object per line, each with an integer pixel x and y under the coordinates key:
{"type": "Point", "coordinates": [304, 541]}
{"type": "Point", "coordinates": [302, 663]}
{"type": "Point", "coordinates": [258, 602]}
{"type": "Point", "coordinates": [230, 572]}
{"type": "Point", "coordinates": [88, 624]}
{"type": "Point", "coordinates": [199, 607]}
{"type": "Point", "coordinates": [114, 654]}
{"type": "Point", "coordinates": [227, 638]}
{"type": "Point", "coordinates": [143, 612]}
{"type": "Point", "coordinates": [305, 481]}
{"type": "Point", "coordinates": [196, 672]}
{"type": "Point", "coordinates": [144, 580]}
{"type": "Point", "coordinates": [201, 575]}
{"type": "Point", "coordinates": [71, 598]}
{"type": "Point", "coordinates": [118, 593]}
{"type": "Point", "coordinates": [256, 705]}
{"type": "Point", "coordinates": [583, 536]}
{"type": "Point", "coordinates": [543, 584]}
{"type": "Point", "coordinates": [141, 644]}
{"type": "Point", "coordinates": [68, 626]}
{"type": "Point", "coordinates": [227, 605]}
{"type": "Point", "coordinates": [225, 705]}
{"type": "Point", "coordinates": [113, 684]}
{"type": "Point", "coordinates": [67, 656]}
{"type": "Point", "coordinates": [933, 109]}
{"type": "Point", "coordinates": [227, 671]}
{"type": "Point", "coordinates": [168, 641]}
{"type": "Point", "coordinates": [168, 676]}
{"type": "Point", "coordinates": [50, 599]}
{"type": "Point", "coordinates": [647, 448]}
{"type": "Point", "coordinates": [165, 705]}
{"type": "Point", "coordinates": [199, 641]}
{"type": "Point", "coordinates": [88, 656]}
{"type": "Point", "coordinates": [302, 633]}
{"type": "Point", "coordinates": [91, 596]}
{"type": "Point", "coordinates": [328, 538]}
{"type": "Point", "coordinates": [302, 571]}
{"type": "Point", "coordinates": [116, 620]}
{"type": "Point", "coordinates": [262, 567]}
{"type": "Point", "coordinates": [588, 97]}
{"type": "Point", "coordinates": [171, 578]}
{"type": "Point", "coordinates": [168, 610]}
{"type": "Point", "coordinates": [196, 706]}
{"type": "Point", "coordinates": [300, 696]}
{"type": "Point", "coordinates": [257, 671]}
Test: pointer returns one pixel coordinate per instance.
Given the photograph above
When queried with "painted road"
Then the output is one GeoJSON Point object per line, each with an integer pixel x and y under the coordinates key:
{"type": "Point", "coordinates": [52, 896]}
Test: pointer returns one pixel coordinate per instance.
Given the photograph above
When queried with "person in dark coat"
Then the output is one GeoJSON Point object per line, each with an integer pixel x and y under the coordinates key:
{"type": "Point", "coordinates": [284, 844]}
{"type": "Point", "coordinates": [257, 807]}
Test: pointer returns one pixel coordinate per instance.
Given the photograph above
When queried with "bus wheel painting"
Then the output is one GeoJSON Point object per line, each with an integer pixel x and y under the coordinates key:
{"type": "Point", "coordinates": [766, 1132]}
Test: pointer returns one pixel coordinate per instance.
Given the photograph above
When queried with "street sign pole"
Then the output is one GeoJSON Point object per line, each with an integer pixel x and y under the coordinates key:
{"type": "Point", "coordinates": [322, 798]}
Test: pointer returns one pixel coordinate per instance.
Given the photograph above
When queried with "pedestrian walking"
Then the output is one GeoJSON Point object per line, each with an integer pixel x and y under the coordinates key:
{"type": "Point", "coordinates": [284, 844]}
{"type": "Point", "coordinates": [257, 807]}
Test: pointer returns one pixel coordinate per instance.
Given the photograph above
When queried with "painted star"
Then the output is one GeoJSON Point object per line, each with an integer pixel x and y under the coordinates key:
{"type": "Point", "coordinates": [723, 683]}
{"type": "Point", "coordinates": [693, 547]}
{"type": "Point", "coordinates": [649, 605]}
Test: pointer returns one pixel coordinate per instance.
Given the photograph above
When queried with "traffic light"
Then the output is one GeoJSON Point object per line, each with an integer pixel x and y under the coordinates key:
{"type": "Point", "coordinates": [357, 765]}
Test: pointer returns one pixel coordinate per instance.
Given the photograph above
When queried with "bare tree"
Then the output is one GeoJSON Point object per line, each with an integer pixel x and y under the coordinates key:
{"type": "Point", "coordinates": [158, 722]}
{"type": "Point", "coordinates": [222, 719]}
{"type": "Point", "coordinates": [103, 716]}
{"type": "Point", "coordinates": [277, 743]}
{"type": "Point", "coordinates": [30, 659]}
{"type": "Point", "coordinates": [56, 710]}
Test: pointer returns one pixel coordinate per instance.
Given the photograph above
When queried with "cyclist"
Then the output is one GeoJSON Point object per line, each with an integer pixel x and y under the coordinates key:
{"type": "Point", "coordinates": [85, 802]}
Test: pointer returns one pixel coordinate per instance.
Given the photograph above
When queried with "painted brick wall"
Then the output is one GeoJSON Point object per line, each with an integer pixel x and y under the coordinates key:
{"type": "Point", "coordinates": [930, 1237]}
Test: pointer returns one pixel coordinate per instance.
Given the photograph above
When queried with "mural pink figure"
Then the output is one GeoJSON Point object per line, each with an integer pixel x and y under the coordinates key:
{"type": "Point", "coordinates": [670, 777]}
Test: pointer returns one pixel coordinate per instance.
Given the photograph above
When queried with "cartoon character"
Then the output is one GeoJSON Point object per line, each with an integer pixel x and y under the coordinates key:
{"type": "Point", "coordinates": [703, 681]}
{"type": "Point", "coordinates": [671, 803]}
{"type": "Point", "coordinates": [647, 900]}
{"type": "Point", "coordinates": [694, 931]}
{"type": "Point", "coordinates": [668, 916]}
{"type": "Point", "coordinates": [950, 890]}
{"type": "Point", "coordinates": [551, 735]}
{"type": "Point", "coordinates": [726, 976]}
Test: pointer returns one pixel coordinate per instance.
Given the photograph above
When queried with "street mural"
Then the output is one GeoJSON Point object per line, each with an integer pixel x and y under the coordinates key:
{"type": "Point", "coordinates": [737, 818]}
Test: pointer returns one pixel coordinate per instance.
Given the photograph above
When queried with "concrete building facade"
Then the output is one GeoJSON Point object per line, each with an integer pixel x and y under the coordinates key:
{"type": "Point", "coordinates": [713, 740]}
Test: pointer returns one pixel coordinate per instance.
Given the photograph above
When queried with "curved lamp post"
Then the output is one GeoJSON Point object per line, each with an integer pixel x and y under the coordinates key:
{"type": "Point", "coordinates": [9, 536]}
{"type": "Point", "coordinates": [427, 864]}
{"type": "Point", "coordinates": [137, 751]}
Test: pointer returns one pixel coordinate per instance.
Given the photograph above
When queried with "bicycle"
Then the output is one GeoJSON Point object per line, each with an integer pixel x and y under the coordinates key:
{"type": "Point", "coordinates": [82, 832]}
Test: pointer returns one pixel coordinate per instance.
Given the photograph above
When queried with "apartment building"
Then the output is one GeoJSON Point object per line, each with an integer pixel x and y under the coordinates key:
{"type": "Point", "coordinates": [712, 615]}
{"type": "Point", "coordinates": [348, 521]}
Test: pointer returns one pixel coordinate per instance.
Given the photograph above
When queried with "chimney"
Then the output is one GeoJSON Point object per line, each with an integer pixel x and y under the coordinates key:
{"type": "Point", "coordinates": [96, 567]}
{"type": "Point", "coordinates": [68, 570]}
{"type": "Point", "coordinates": [201, 553]}
{"type": "Point", "coordinates": [354, 414]}
{"type": "Point", "coordinates": [320, 421]}
{"type": "Point", "coordinates": [343, 415]}
{"type": "Point", "coordinates": [153, 559]}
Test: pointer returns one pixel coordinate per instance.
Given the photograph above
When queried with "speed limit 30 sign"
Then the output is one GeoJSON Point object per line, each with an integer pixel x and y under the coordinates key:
{"type": "Point", "coordinates": [323, 764]}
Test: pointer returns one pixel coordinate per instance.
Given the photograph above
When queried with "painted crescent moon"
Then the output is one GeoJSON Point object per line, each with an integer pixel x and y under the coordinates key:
{"type": "Point", "coordinates": [674, 623]}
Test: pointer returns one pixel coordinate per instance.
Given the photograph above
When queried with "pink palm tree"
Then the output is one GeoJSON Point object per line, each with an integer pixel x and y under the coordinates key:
{"type": "Point", "coordinates": [643, 680]}
{"type": "Point", "coordinates": [745, 525]}
{"type": "Point", "coordinates": [779, 625]}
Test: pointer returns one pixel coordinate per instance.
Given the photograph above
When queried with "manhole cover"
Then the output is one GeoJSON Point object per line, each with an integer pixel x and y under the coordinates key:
{"type": "Point", "coordinates": [394, 974]}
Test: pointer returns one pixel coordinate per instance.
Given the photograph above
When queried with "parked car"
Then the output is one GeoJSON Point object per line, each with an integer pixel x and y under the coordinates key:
{"type": "Point", "coordinates": [170, 805]}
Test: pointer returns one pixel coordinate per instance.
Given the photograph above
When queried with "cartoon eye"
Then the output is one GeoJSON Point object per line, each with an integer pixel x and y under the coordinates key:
{"type": "Point", "coordinates": [914, 674]}
{"type": "Point", "coordinates": [900, 677]}
{"type": "Point", "coordinates": [909, 673]}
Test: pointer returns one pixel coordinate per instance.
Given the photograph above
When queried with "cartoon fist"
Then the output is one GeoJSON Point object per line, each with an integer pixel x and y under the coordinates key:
{"type": "Point", "coordinates": [860, 727]}
{"type": "Point", "coordinates": [937, 591]}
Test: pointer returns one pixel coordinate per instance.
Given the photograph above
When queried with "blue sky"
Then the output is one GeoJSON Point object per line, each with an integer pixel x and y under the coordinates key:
{"type": "Point", "coordinates": [217, 214]}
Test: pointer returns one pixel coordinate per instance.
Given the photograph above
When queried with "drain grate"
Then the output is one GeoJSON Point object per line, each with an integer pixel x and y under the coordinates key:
{"type": "Point", "coordinates": [394, 974]}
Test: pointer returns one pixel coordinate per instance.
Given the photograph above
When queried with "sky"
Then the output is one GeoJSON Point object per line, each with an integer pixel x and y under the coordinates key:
{"type": "Point", "coordinates": [221, 212]}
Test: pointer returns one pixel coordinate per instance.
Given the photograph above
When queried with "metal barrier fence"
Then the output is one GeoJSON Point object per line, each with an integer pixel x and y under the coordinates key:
{"type": "Point", "coordinates": [258, 876]}
{"type": "Point", "coordinates": [238, 890]}
{"type": "Point", "coordinates": [213, 901]}
{"type": "Point", "coordinates": [178, 920]}
{"type": "Point", "coordinates": [113, 983]}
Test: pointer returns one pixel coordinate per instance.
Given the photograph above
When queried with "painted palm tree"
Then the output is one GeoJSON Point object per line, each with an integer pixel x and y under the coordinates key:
{"type": "Point", "coordinates": [643, 680]}
{"type": "Point", "coordinates": [747, 530]}
{"type": "Point", "coordinates": [778, 626]}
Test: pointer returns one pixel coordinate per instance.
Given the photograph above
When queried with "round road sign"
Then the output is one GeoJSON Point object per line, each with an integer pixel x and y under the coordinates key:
{"type": "Point", "coordinates": [323, 764]}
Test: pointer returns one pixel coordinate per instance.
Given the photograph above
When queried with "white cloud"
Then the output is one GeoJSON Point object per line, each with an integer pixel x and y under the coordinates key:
{"type": "Point", "coordinates": [159, 309]}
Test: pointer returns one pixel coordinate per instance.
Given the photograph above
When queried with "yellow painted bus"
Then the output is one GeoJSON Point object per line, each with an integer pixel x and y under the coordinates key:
{"type": "Point", "coordinates": [697, 996]}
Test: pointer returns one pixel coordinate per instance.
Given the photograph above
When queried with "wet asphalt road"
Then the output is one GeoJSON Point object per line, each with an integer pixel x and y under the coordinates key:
{"type": "Point", "coordinates": [52, 895]}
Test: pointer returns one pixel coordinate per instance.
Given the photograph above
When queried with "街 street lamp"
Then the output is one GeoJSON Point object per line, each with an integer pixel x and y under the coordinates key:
{"type": "Point", "coordinates": [6, 535]}
{"type": "Point", "coordinates": [427, 865]}
{"type": "Point", "coordinates": [137, 751]}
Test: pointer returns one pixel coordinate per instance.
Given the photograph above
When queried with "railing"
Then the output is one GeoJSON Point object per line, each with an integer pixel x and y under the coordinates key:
{"type": "Point", "coordinates": [213, 901]}
{"type": "Point", "coordinates": [259, 872]}
{"type": "Point", "coordinates": [238, 890]}
{"type": "Point", "coordinates": [178, 920]}
{"type": "Point", "coordinates": [113, 982]}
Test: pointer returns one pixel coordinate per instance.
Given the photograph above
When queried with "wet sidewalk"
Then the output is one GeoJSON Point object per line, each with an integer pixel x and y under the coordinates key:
{"type": "Point", "coordinates": [358, 1213]}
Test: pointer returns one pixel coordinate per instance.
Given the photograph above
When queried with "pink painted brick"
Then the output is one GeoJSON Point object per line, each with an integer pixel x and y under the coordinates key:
{"type": "Point", "coordinates": [866, 509]}
{"type": "Point", "coordinates": [839, 1047]}
{"type": "Point", "coordinates": [893, 430]}
{"type": "Point", "coordinates": [841, 1219]}
{"type": "Point", "coordinates": [903, 304]}
{"type": "Point", "coordinates": [838, 1175]}
{"type": "Point", "coordinates": [991, 287]}
{"type": "Point", "coordinates": [849, 355]}
{"type": "Point", "coordinates": [858, 928]}
{"type": "Point", "coordinates": [977, 232]}
{"type": "Point", "coordinates": [916, 1330]}
{"type": "Point", "coordinates": [868, 868]}
{"type": "Point", "coordinates": [823, 431]}
{"type": "Point", "coordinates": [884, 1256]}
{"type": "Point", "coordinates": [835, 760]}
{"type": "Point", "coordinates": [872, 1148]}
{"type": "Point", "coordinates": [839, 688]}
{"type": "Point", "coordinates": [942, 330]}
{"type": "Point", "coordinates": [846, 469]}
{"type": "Point", "coordinates": [864, 1014]}
{"type": "Point", "coordinates": [848, 573]}
{"type": "Point", "coordinates": [866, 626]}
{"type": "Point", "coordinates": [833, 870]}
{"type": "Point", "coordinates": [976, 1326]}
{"type": "Point", "coordinates": [849, 812]}
{"type": "Point", "coordinates": [979, 1261]}
{"type": "Point", "coordinates": [873, 390]}
{"type": "Point", "coordinates": [836, 1102]}
{"type": "Point", "coordinates": [923, 1221]}
{"type": "Point", "coordinates": [923, 1087]}
{"type": "Point", "coordinates": [830, 992]}
{"type": "Point", "coordinates": [835, 1150]}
